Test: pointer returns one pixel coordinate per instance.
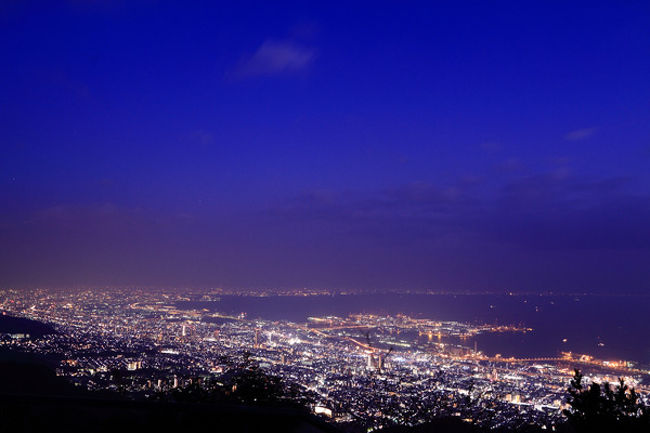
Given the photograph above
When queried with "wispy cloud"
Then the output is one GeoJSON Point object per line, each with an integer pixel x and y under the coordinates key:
{"type": "Point", "coordinates": [491, 146]}
{"type": "Point", "coordinates": [553, 210]}
{"type": "Point", "coordinates": [201, 137]}
{"type": "Point", "coordinates": [510, 165]}
{"type": "Point", "coordinates": [580, 134]}
{"type": "Point", "coordinates": [276, 58]}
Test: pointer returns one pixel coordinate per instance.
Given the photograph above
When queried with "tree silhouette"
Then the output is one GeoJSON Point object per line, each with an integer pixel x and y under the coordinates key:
{"type": "Point", "coordinates": [599, 407]}
{"type": "Point", "coordinates": [244, 383]}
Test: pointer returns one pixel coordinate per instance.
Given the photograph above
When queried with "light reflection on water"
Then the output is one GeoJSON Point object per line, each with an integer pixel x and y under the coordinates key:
{"type": "Point", "coordinates": [608, 327]}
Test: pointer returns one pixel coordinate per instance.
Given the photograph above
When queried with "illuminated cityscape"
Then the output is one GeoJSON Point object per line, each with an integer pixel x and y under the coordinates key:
{"type": "Point", "coordinates": [367, 369]}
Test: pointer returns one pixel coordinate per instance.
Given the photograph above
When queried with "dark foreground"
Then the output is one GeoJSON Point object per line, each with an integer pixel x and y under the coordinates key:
{"type": "Point", "coordinates": [25, 413]}
{"type": "Point", "coordinates": [34, 400]}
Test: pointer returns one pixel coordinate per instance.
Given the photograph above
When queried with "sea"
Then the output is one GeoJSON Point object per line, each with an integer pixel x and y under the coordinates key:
{"type": "Point", "coordinates": [607, 327]}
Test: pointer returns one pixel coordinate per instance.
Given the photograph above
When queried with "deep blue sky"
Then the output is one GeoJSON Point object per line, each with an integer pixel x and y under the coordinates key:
{"type": "Point", "coordinates": [451, 146]}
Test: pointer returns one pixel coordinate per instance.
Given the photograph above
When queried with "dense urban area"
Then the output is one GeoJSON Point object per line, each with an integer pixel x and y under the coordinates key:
{"type": "Point", "coordinates": [366, 370]}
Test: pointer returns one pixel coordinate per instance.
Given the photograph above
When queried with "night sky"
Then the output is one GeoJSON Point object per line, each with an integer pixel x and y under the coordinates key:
{"type": "Point", "coordinates": [455, 146]}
